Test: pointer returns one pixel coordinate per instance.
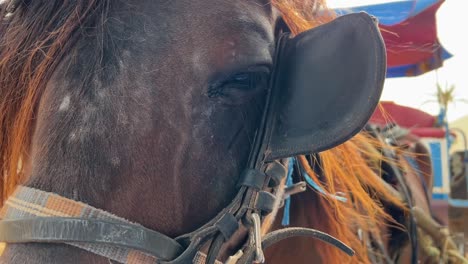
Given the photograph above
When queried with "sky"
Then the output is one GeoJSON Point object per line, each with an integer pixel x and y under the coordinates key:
{"type": "Point", "coordinates": [417, 91]}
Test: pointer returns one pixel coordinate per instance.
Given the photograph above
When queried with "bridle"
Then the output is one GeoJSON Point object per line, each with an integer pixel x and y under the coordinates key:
{"type": "Point", "coordinates": [276, 139]}
{"type": "Point", "coordinates": [114, 231]}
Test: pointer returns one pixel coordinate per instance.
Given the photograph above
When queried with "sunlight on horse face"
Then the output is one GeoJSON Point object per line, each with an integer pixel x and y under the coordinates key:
{"type": "Point", "coordinates": [152, 115]}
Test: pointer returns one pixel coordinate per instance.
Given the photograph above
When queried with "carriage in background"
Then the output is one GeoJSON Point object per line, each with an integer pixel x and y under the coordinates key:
{"type": "Point", "coordinates": [410, 33]}
{"type": "Point", "coordinates": [409, 30]}
{"type": "Point", "coordinates": [449, 193]}
{"type": "Point", "coordinates": [422, 125]}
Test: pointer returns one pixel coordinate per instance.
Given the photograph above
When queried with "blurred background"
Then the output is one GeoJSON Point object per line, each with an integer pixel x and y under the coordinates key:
{"type": "Point", "coordinates": [426, 91]}
{"type": "Point", "coordinates": [420, 91]}
{"type": "Point", "coordinates": [452, 34]}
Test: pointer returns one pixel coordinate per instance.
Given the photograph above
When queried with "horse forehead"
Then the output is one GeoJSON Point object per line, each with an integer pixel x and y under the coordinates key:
{"type": "Point", "coordinates": [210, 7]}
{"type": "Point", "coordinates": [178, 18]}
{"type": "Point", "coordinates": [206, 34]}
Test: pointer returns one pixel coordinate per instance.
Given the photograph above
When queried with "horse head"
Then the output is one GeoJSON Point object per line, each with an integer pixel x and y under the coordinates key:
{"type": "Point", "coordinates": [151, 111]}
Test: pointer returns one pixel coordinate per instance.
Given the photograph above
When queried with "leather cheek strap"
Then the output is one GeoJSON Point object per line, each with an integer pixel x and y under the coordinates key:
{"type": "Point", "coordinates": [73, 230]}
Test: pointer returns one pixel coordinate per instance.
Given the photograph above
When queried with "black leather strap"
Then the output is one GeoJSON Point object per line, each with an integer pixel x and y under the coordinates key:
{"type": "Point", "coordinates": [69, 230]}
{"type": "Point", "coordinates": [253, 178]}
{"type": "Point", "coordinates": [278, 235]}
{"type": "Point", "coordinates": [265, 202]}
{"type": "Point", "coordinates": [227, 225]}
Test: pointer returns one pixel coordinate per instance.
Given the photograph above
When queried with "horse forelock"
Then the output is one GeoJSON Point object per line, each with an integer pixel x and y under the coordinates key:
{"type": "Point", "coordinates": [301, 15]}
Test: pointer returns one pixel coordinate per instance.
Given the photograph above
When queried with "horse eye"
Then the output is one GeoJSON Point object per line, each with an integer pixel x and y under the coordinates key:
{"type": "Point", "coordinates": [245, 84]}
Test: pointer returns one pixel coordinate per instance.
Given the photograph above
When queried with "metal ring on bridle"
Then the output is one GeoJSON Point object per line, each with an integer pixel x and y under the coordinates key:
{"type": "Point", "coordinates": [259, 256]}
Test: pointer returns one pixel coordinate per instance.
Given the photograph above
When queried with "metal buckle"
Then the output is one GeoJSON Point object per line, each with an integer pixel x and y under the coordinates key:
{"type": "Point", "coordinates": [235, 258]}
{"type": "Point", "coordinates": [259, 256]}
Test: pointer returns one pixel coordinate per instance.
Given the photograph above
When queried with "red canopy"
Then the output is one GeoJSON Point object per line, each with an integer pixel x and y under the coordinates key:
{"type": "Point", "coordinates": [414, 40]}
{"type": "Point", "coordinates": [409, 31]}
{"type": "Point", "coordinates": [418, 122]}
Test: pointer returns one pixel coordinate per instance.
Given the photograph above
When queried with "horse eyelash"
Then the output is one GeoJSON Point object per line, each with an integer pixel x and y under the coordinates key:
{"type": "Point", "coordinates": [216, 89]}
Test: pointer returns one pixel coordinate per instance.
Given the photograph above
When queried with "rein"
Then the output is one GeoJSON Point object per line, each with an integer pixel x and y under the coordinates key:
{"type": "Point", "coordinates": [36, 216]}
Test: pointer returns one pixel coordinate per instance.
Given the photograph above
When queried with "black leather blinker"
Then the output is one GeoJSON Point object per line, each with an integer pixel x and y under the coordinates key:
{"type": "Point", "coordinates": [325, 86]}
